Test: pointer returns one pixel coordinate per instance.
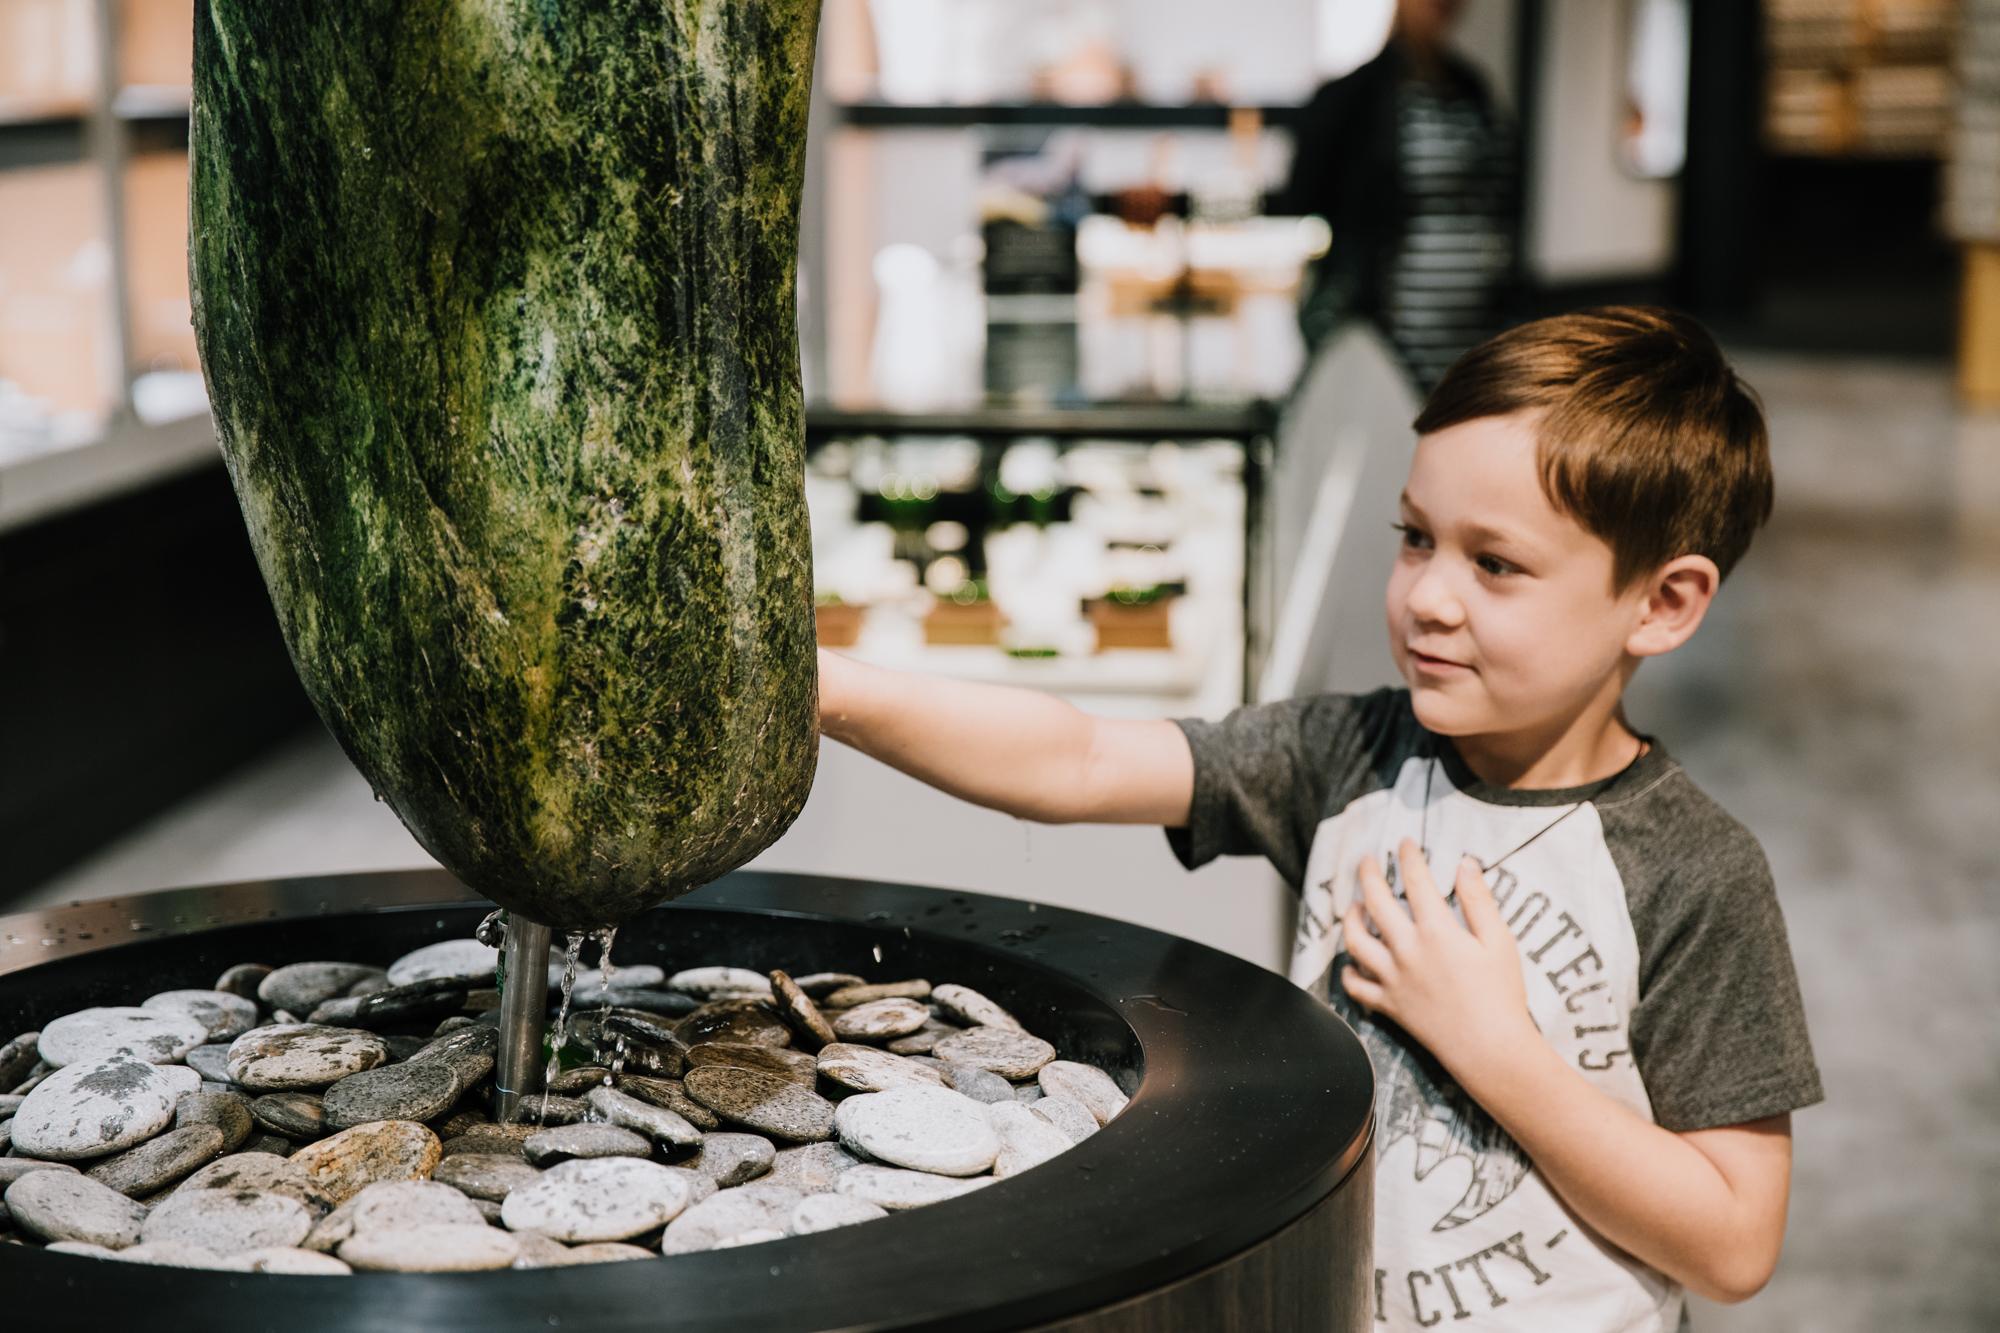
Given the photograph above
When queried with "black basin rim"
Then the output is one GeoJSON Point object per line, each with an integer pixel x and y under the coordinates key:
{"type": "Point", "coordinates": [999, 1259]}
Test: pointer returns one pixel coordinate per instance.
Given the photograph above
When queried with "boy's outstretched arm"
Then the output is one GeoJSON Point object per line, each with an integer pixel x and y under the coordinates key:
{"type": "Point", "coordinates": [1015, 750]}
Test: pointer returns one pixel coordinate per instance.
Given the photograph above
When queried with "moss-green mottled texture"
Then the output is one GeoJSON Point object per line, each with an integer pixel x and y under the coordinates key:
{"type": "Point", "coordinates": [496, 304]}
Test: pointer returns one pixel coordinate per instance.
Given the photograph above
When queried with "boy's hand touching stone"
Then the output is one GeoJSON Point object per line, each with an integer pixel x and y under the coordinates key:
{"type": "Point", "coordinates": [1456, 988]}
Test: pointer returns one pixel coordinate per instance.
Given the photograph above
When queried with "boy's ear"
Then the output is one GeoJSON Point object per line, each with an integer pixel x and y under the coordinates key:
{"type": "Point", "coordinates": [1676, 598]}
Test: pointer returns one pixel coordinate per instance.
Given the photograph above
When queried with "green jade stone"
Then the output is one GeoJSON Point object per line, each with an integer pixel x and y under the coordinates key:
{"type": "Point", "coordinates": [496, 306]}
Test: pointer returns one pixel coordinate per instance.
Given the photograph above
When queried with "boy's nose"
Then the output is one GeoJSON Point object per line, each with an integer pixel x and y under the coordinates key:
{"type": "Point", "coordinates": [1432, 599]}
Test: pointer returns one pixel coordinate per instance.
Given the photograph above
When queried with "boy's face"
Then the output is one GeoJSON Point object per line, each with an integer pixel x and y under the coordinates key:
{"type": "Point", "coordinates": [1502, 616]}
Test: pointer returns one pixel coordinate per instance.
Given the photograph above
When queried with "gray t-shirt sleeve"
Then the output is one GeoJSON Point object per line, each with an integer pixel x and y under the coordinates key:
{"type": "Point", "coordinates": [1266, 775]}
{"type": "Point", "coordinates": [1719, 1033]}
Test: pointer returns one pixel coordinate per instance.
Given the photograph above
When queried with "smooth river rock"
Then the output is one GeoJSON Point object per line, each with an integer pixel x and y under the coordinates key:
{"type": "Point", "coordinates": [434, 1248]}
{"type": "Point", "coordinates": [655, 1122]}
{"type": "Point", "coordinates": [289, 1056]}
{"type": "Point", "coordinates": [973, 1009]}
{"type": "Point", "coordinates": [227, 1221]}
{"type": "Point", "coordinates": [1003, 1051]}
{"type": "Point", "coordinates": [1067, 1114]}
{"type": "Point", "coordinates": [925, 1129]}
{"type": "Point", "coordinates": [1085, 1083]}
{"type": "Point", "coordinates": [871, 1069]}
{"type": "Point", "coordinates": [824, 1212]}
{"type": "Point", "coordinates": [812, 1168]}
{"type": "Point", "coordinates": [343, 1165]}
{"type": "Point", "coordinates": [62, 1205]}
{"type": "Point", "coordinates": [847, 997]}
{"type": "Point", "coordinates": [730, 1217]}
{"type": "Point", "coordinates": [896, 1189]}
{"type": "Point", "coordinates": [459, 960]}
{"type": "Point", "coordinates": [671, 1094]}
{"type": "Point", "coordinates": [99, 1107]}
{"type": "Point", "coordinates": [226, 1016]}
{"type": "Point", "coordinates": [485, 1175]}
{"type": "Point", "coordinates": [604, 1198]}
{"type": "Point", "coordinates": [152, 1035]}
{"type": "Point", "coordinates": [159, 1162]}
{"type": "Point", "coordinates": [583, 1141]}
{"type": "Point", "coordinates": [300, 987]}
{"type": "Point", "coordinates": [768, 1103]}
{"type": "Point", "coordinates": [292, 1115]}
{"type": "Point", "coordinates": [794, 1065]}
{"type": "Point", "coordinates": [732, 1159]}
{"type": "Point", "coordinates": [408, 1091]}
{"type": "Point", "coordinates": [227, 1111]}
{"type": "Point", "coordinates": [810, 1028]}
{"type": "Point", "coordinates": [880, 1020]}
{"type": "Point", "coordinates": [260, 1172]}
{"type": "Point", "coordinates": [1026, 1139]}
{"type": "Point", "coordinates": [714, 983]}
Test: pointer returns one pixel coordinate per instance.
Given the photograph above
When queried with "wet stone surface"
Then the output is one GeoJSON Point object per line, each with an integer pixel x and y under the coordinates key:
{"type": "Point", "coordinates": [767, 1103]}
{"type": "Point", "coordinates": [293, 1115]}
{"type": "Point", "coordinates": [98, 1108]}
{"type": "Point", "coordinates": [732, 1159]}
{"type": "Point", "coordinates": [288, 1056]}
{"type": "Point", "coordinates": [606, 1198]}
{"type": "Point", "coordinates": [394, 1092]}
{"type": "Point", "coordinates": [925, 1129]}
{"type": "Point", "coordinates": [584, 1140]}
{"type": "Point", "coordinates": [157, 1036]}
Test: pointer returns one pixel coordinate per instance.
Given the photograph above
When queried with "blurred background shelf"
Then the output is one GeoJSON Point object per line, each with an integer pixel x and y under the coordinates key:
{"type": "Point", "coordinates": [1109, 115]}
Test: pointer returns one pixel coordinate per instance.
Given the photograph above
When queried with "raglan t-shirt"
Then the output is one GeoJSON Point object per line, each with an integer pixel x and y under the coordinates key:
{"type": "Point", "coordinates": [1651, 946]}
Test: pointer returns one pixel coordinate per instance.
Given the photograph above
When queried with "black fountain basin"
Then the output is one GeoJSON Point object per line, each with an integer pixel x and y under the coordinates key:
{"type": "Point", "coordinates": [1235, 1191]}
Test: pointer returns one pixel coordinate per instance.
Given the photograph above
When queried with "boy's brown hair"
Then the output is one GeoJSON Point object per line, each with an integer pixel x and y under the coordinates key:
{"type": "Point", "coordinates": [1646, 436]}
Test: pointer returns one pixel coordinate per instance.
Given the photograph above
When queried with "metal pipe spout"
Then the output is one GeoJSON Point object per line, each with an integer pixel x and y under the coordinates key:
{"type": "Point", "coordinates": [524, 1009]}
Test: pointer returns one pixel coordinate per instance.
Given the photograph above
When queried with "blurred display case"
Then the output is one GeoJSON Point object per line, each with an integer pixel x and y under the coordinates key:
{"type": "Point", "coordinates": [99, 383]}
{"type": "Point", "coordinates": [1859, 78]}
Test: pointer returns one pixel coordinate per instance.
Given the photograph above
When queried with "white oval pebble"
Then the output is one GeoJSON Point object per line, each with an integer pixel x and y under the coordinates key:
{"type": "Point", "coordinates": [298, 1263]}
{"type": "Point", "coordinates": [225, 1016]}
{"type": "Point", "coordinates": [1026, 1140]}
{"type": "Point", "coordinates": [596, 1198]}
{"type": "Point", "coordinates": [1087, 1084]}
{"type": "Point", "coordinates": [824, 1212]}
{"type": "Point", "coordinates": [151, 1035]}
{"type": "Point", "coordinates": [436, 1248]}
{"type": "Point", "coordinates": [1067, 1114]}
{"type": "Point", "coordinates": [1000, 1051]}
{"type": "Point", "coordinates": [896, 1190]}
{"type": "Point", "coordinates": [869, 1069]}
{"type": "Point", "coordinates": [227, 1221]}
{"type": "Point", "coordinates": [98, 1107]}
{"type": "Point", "coordinates": [925, 1129]}
{"type": "Point", "coordinates": [64, 1206]}
{"type": "Point", "coordinates": [880, 1019]}
{"type": "Point", "coordinates": [970, 1007]}
{"type": "Point", "coordinates": [719, 982]}
{"type": "Point", "coordinates": [724, 1216]}
{"type": "Point", "coordinates": [461, 960]}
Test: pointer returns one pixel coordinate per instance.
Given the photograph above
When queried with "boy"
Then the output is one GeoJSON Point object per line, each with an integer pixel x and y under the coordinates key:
{"type": "Point", "coordinates": [1586, 1063]}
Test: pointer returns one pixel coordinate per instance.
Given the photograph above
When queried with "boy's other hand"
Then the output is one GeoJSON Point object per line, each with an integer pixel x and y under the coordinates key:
{"type": "Point", "coordinates": [1456, 988]}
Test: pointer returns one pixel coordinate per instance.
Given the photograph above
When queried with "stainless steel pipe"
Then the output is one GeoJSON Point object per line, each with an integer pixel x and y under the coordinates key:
{"type": "Point", "coordinates": [524, 1009]}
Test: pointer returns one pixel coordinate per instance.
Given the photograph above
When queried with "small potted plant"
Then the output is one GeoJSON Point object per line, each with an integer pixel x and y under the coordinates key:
{"type": "Point", "coordinates": [965, 616]}
{"type": "Point", "coordinates": [838, 621]}
{"type": "Point", "coordinates": [1131, 616]}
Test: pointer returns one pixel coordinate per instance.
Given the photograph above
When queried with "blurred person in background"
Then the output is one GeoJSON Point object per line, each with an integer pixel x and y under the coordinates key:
{"type": "Point", "coordinates": [1416, 173]}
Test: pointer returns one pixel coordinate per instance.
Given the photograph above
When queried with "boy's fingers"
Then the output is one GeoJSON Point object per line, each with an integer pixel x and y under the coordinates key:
{"type": "Point", "coordinates": [1482, 914]}
{"type": "Point", "coordinates": [1426, 904]}
{"type": "Point", "coordinates": [1364, 992]}
{"type": "Point", "coordinates": [1363, 947]}
{"type": "Point", "coordinates": [1383, 909]}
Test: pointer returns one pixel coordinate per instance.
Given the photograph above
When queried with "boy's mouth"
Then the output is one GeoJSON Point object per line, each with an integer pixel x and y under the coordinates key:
{"type": "Point", "coordinates": [1433, 665]}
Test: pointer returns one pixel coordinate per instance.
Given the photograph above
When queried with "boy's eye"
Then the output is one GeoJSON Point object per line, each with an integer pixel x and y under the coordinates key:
{"type": "Point", "coordinates": [1494, 565]}
{"type": "Point", "coordinates": [1415, 539]}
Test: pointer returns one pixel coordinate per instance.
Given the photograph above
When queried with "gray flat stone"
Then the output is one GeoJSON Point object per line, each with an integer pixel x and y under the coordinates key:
{"type": "Point", "coordinates": [392, 1092]}
{"type": "Point", "coordinates": [227, 1221]}
{"type": "Point", "coordinates": [655, 1122]}
{"type": "Point", "coordinates": [821, 984]}
{"type": "Point", "coordinates": [420, 1001]}
{"type": "Point", "coordinates": [871, 1069]}
{"type": "Point", "coordinates": [1067, 1114]}
{"type": "Point", "coordinates": [436, 1248]}
{"type": "Point", "coordinates": [825, 1212]}
{"type": "Point", "coordinates": [178, 1254]}
{"type": "Point", "coordinates": [880, 1020]}
{"type": "Point", "coordinates": [924, 1040]}
{"type": "Point", "coordinates": [292, 1262]}
{"type": "Point", "coordinates": [729, 1216]}
{"type": "Point", "coordinates": [159, 1162]}
{"type": "Point", "coordinates": [670, 1094]}
{"type": "Point", "coordinates": [590, 987]}
{"type": "Point", "coordinates": [1026, 1140]}
{"type": "Point", "coordinates": [797, 1066]}
{"type": "Point", "coordinates": [925, 1129]}
{"type": "Point", "coordinates": [261, 1141]}
{"type": "Point", "coordinates": [597, 1199]}
{"type": "Point", "coordinates": [812, 1168]}
{"type": "Point", "coordinates": [302, 1056]}
{"type": "Point", "coordinates": [350, 1161]}
{"type": "Point", "coordinates": [1100, 1095]}
{"type": "Point", "coordinates": [226, 1016]}
{"type": "Point", "coordinates": [210, 1061]}
{"type": "Point", "coordinates": [98, 1107]}
{"type": "Point", "coordinates": [549, 1109]}
{"type": "Point", "coordinates": [229, 1112]}
{"type": "Point", "coordinates": [898, 1190]}
{"type": "Point", "coordinates": [394, 1205]}
{"type": "Point", "coordinates": [298, 987]}
{"type": "Point", "coordinates": [982, 1085]}
{"type": "Point", "coordinates": [719, 982]}
{"type": "Point", "coordinates": [1028, 1092]}
{"type": "Point", "coordinates": [485, 1175]}
{"type": "Point", "coordinates": [1005, 1052]}
{"type": "Point", "coordinates": [151, 1035]}
{"type": "Point", "coordinates": [458, 960]}
{"type": "Point", "coordinates": [584, 1140]}
{"type": "Point", "coordinates": [767, 1103]}
{"type": "Point", "coordinates": [467, 1052]}
{"type": "Point", "coordinates": [292, 1115]}
{"type": "Point", "coordinates": [732, 1159]}
{"type": "Point", "coordinates": [62, 1205]}
{"type": "Point", "coordinates": [966, 1005]}
{"type": "Point", "coordinates": [243, 979]}
{"type": "Point", "coordinates": [13, 1168]}
{"type": "Point", "coordinates": [810, 1028]}
{"type": "Point", "coordinates": [752, 1021]}
{"type": "Point", "coordinates": [847, 997]}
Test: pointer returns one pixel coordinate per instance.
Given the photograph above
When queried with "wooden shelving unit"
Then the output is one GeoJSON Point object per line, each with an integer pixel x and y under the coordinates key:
{"type": "Point", "coordinates": [94, 107]}
{"type": "Point", "coordinates": [1859, 78]}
